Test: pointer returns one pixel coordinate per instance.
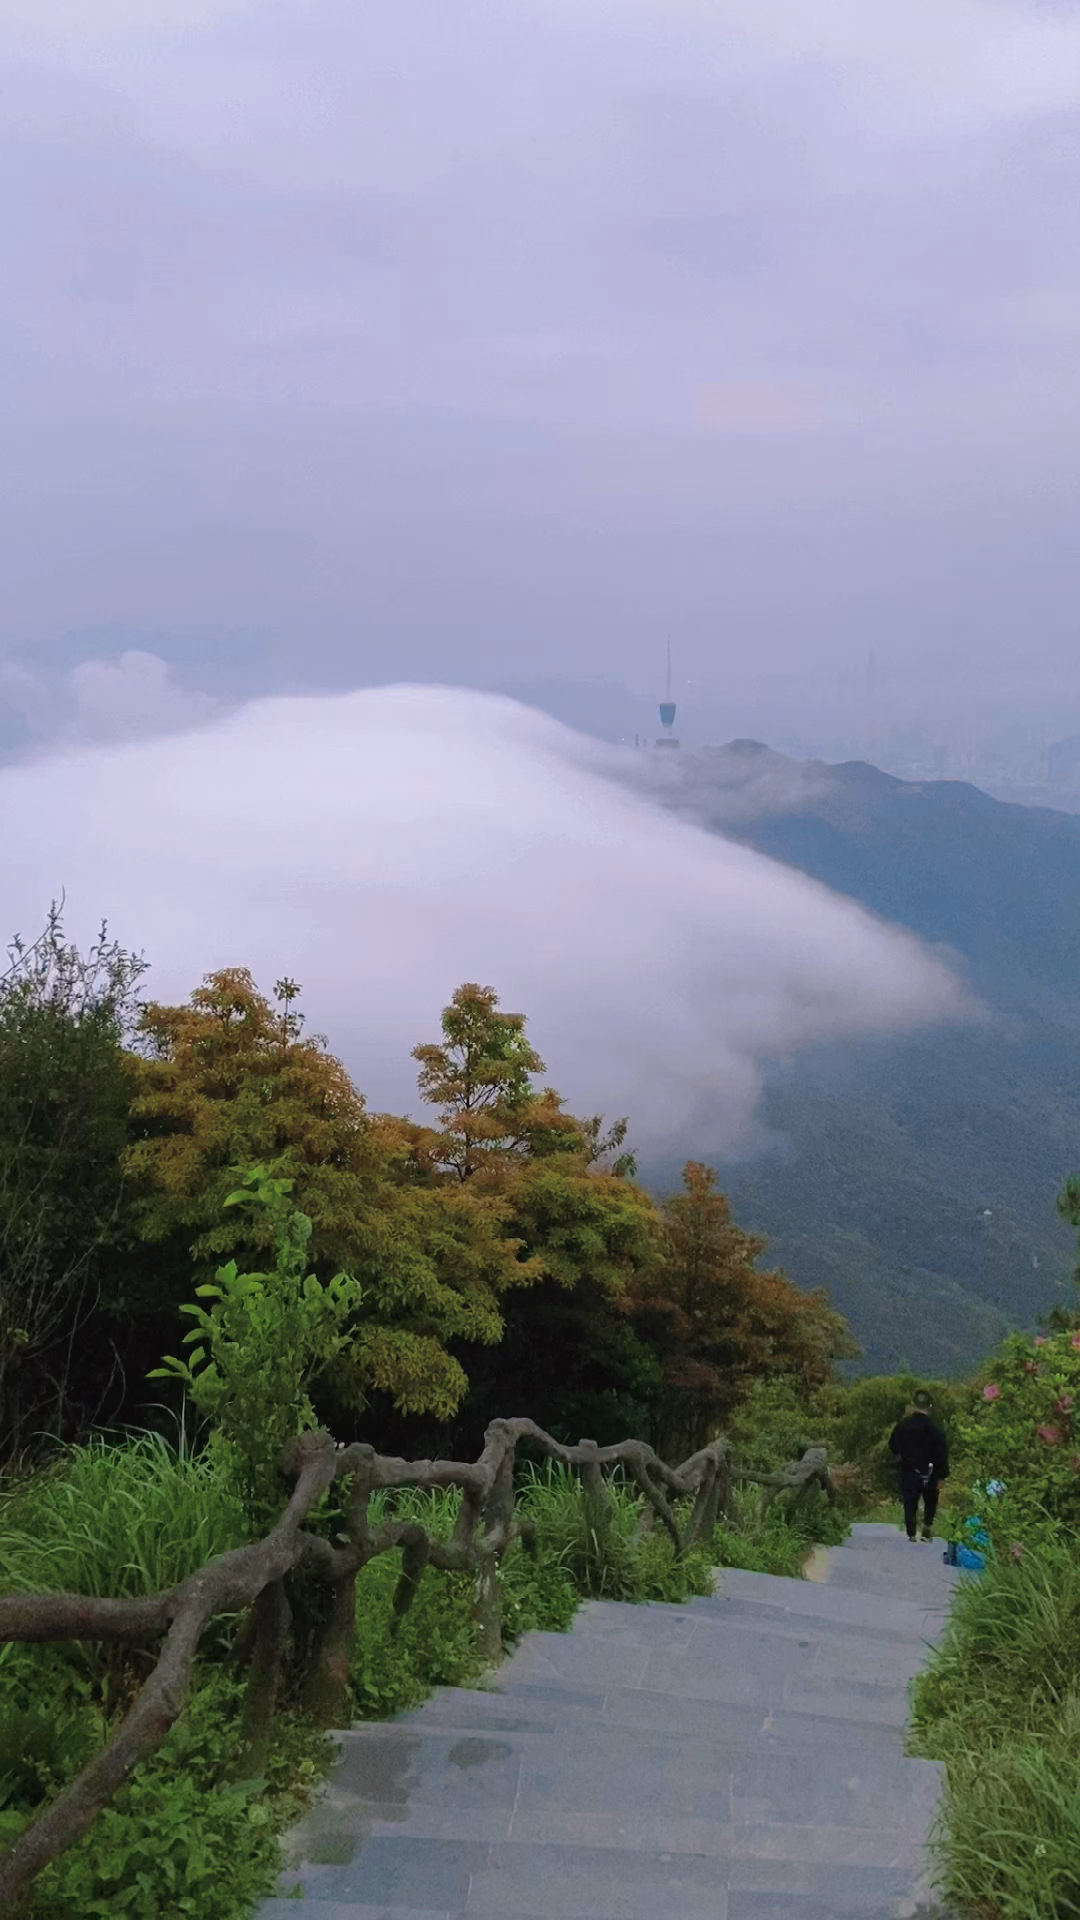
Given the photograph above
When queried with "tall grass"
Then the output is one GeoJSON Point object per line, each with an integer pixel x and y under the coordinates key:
{"type": "Point", "coordinates": [115, 1521]}
{"type": "Point", "coordinates": [1000, 1705]}
{"type": "Point", "coordinates": [615, 1561]}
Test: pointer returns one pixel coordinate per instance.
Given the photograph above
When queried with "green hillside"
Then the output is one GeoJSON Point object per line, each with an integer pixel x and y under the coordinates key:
{"type": "Point", "coordinates": [916, 1179]}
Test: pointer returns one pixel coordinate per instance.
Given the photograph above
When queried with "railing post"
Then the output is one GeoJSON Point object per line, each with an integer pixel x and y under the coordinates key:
{"type": "Point", "coordinates": [599, 1508]}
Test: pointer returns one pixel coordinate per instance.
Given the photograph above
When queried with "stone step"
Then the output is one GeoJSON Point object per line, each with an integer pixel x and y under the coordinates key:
{"type": "Point", "coordinates": [788, 1677]}
{"type": "Point", "coordinates": [555, 1881]}
{"type": "Point", "coordinates": [789, 1622]}
{"type": "Point", "coordinates": [634, 1708]}
{"type": "Point", "coordinates": [915, 1618]}
{"type": "Point", "coordinates": [715, 1638]}
{"type": "Point", "coordinates": [714, 1778]}
{"type": "Point", "coordinates": [736, 1757]}
{"type": "Point", "coordinates": [293, 1909]}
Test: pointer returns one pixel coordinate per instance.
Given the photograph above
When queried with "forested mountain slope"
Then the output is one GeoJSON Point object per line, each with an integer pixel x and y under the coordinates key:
{"type": "Point", "coordinates": [916, 1178]}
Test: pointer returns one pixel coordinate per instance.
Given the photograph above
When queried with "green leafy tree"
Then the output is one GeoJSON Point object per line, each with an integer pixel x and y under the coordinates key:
{"type": "Point", "coordinates": [262, 1344]}
{"type": "Point", "coordinates": [64, 1016]}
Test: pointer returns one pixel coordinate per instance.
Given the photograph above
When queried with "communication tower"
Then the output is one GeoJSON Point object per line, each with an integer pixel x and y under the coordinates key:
{"type": "Point", "coordinates": [667, 709]}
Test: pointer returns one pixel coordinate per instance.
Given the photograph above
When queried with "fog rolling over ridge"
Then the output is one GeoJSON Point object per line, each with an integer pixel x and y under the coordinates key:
{"type": "Point", "coordinates": [916, 1176]}
{"type": "Point", "coordinates": [383, 846]}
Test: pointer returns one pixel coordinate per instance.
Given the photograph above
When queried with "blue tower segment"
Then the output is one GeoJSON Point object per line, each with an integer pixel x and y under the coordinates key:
{"type": "Point", "coordinates": [667, 713]}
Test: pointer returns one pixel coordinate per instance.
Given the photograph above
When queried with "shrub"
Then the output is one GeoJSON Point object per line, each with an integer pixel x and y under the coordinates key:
{"type": "Point", "coordinates": [177, 1839]}
{"type": "Point", "coordinates": [1020, 1425]}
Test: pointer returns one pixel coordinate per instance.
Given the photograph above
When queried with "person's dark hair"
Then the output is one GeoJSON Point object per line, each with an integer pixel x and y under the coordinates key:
{"type": "Point", "coordinates": [922, 1400]}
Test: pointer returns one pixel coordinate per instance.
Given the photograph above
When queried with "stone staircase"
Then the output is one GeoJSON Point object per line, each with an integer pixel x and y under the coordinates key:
{"type": "Point", "coordinates": [735, 1758]}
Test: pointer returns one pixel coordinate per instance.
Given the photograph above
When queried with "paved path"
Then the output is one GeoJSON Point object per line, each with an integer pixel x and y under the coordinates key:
{"type": "Point", "coordinates": [735, 1758]}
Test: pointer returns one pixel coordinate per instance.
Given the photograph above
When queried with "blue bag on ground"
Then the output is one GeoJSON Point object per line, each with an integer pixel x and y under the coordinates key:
{"type": "Point", "coordinates": [959, 1554]}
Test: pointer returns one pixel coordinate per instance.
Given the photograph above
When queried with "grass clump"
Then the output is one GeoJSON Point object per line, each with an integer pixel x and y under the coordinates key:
{"type": "Point", "coordinates": [116, 1521]}
{"type": "Point", "coordinates": [1000, 1705]}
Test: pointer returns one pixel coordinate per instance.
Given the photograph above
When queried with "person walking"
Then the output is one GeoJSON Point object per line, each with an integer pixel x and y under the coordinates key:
{"type": "Point", "coordinates": [922, 1451]}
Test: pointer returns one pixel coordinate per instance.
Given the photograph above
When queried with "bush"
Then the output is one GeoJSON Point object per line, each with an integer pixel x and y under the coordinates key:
{"type": "Point", "coordinates": [177, 1839]}
{"type": "Point", "coordinates": [1020, 1426]}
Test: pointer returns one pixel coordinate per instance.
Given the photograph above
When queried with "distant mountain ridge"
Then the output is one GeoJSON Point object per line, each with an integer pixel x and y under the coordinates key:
{"type": "Point", "coordinates": [916, 1178]}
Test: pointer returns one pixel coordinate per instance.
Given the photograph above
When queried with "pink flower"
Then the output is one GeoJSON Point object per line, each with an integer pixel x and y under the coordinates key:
{"type": "Point", "coordinates": [992, 1392]}
{"type": "Point", "coordinates": [1075, 1341]}
{"type": "Point", "coordinates": [1051, 1435]}
{"type": "Point", "coordinates": [1040, 1339]}
{"type": "Point", "coordinates": [1016, 1550]}
{"type": "Point", "coordinates": [1065, 1402]}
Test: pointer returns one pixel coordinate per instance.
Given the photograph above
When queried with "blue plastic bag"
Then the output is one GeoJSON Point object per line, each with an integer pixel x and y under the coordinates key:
{"type": "Point", "coordinates": [957, 1555]}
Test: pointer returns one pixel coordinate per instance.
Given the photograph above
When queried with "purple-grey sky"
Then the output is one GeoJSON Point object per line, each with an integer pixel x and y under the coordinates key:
{"type": "Point", "coordinates": [495, 343]}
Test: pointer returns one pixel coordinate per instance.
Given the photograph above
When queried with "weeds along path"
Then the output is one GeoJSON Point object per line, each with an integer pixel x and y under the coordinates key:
{"type": "Point", "coordinates": [739, 1757]}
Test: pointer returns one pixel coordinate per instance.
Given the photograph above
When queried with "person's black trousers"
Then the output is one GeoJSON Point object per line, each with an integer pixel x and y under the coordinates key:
{"type": "Point", "coordinates": [914, 1488]}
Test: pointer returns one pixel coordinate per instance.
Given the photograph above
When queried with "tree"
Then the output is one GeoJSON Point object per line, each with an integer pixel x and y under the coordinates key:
{"type": "Point", "coordinates": [229, 1080]}
{"type": "Point", "coordinates": [479, 1076]}
{"type": "Point", "coordinates": [570, 1355]}
{"type": "Point", "coordinates": [717, 1321]}
{"type": "Point", "coordinates": [63, 1114]}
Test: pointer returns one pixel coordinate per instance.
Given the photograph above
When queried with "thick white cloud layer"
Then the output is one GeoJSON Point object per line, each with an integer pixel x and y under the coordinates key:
{"type": "Point", "coordinates": [383, 846]}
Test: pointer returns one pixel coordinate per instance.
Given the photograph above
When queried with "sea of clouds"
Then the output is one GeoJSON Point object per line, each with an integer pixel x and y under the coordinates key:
{"type": "Point", "coordinates": [385, 845]}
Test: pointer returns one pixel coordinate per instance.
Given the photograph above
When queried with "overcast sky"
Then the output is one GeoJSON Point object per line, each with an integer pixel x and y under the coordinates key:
{"type": "Point", "coordinates": [504, 340]}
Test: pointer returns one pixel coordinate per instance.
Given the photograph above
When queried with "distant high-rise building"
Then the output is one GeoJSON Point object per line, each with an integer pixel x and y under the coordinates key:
{"type": "Point", "coordinates": [667, 709]}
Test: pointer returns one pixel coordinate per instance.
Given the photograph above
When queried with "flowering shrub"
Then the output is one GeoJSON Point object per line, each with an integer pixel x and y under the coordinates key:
{"type": "Point", "coordinates": [1022, 1427]}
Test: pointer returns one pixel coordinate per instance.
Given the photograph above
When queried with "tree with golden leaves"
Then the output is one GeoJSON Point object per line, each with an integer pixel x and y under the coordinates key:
{"type": "Point", "coordinates": [718, 1322]}
{"type": "Point", "coordinates": [229, 1080]}
{"type": "Point", "coordinates": [491, 1116]}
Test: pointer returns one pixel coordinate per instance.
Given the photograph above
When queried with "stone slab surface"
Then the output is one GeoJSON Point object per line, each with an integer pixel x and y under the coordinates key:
{"type": "Point", "coordinates": [739, 1757]}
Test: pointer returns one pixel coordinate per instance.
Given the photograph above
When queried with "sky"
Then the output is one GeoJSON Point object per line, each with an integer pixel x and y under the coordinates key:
{"type": "Point", "coordinates": [382, 847]}
{"type": "Point", "coordinates": [431, 340]}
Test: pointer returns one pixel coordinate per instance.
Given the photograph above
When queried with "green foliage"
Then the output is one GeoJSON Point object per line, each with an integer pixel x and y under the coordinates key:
{"type": "Point", "coordinates": [116, 1520]}
{"type": "Point", "coordinates": [228, 1080]}
{"type": "Point", "coordinates": [1020, 1424]}
{"type": "Point", "coordinates": [63, 1118]}
{"type": "Point", "coordinates": [178, 1838]}
{"type": "Point", "coordinates": [1000, 1704]}
{"type": "Point", "coordinates": [264, 1341]}
{"type": "Point", "coordinates": [857, 1419]}
{"type": "Point", "coordinates": [479, 1076]}
{"type": "Point", "coordinates": [614, 1562]}
{"type": "Point", "coordinates": [1000, 1701]}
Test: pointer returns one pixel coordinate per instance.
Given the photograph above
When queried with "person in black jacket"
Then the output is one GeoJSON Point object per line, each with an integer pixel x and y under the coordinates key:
{"type": "Point", "coordinates": [920, 1447]}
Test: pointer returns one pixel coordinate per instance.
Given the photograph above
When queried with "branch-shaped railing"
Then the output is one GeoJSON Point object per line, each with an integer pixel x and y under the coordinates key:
{"type": "Point", "coordinates": [254, 1578]}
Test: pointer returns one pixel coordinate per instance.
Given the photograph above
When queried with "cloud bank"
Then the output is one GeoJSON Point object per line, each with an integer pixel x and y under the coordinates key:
{"type": "Point", "coordinates": [383, 846]}
{"type": "Point", "coordinates": [131, 696]}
